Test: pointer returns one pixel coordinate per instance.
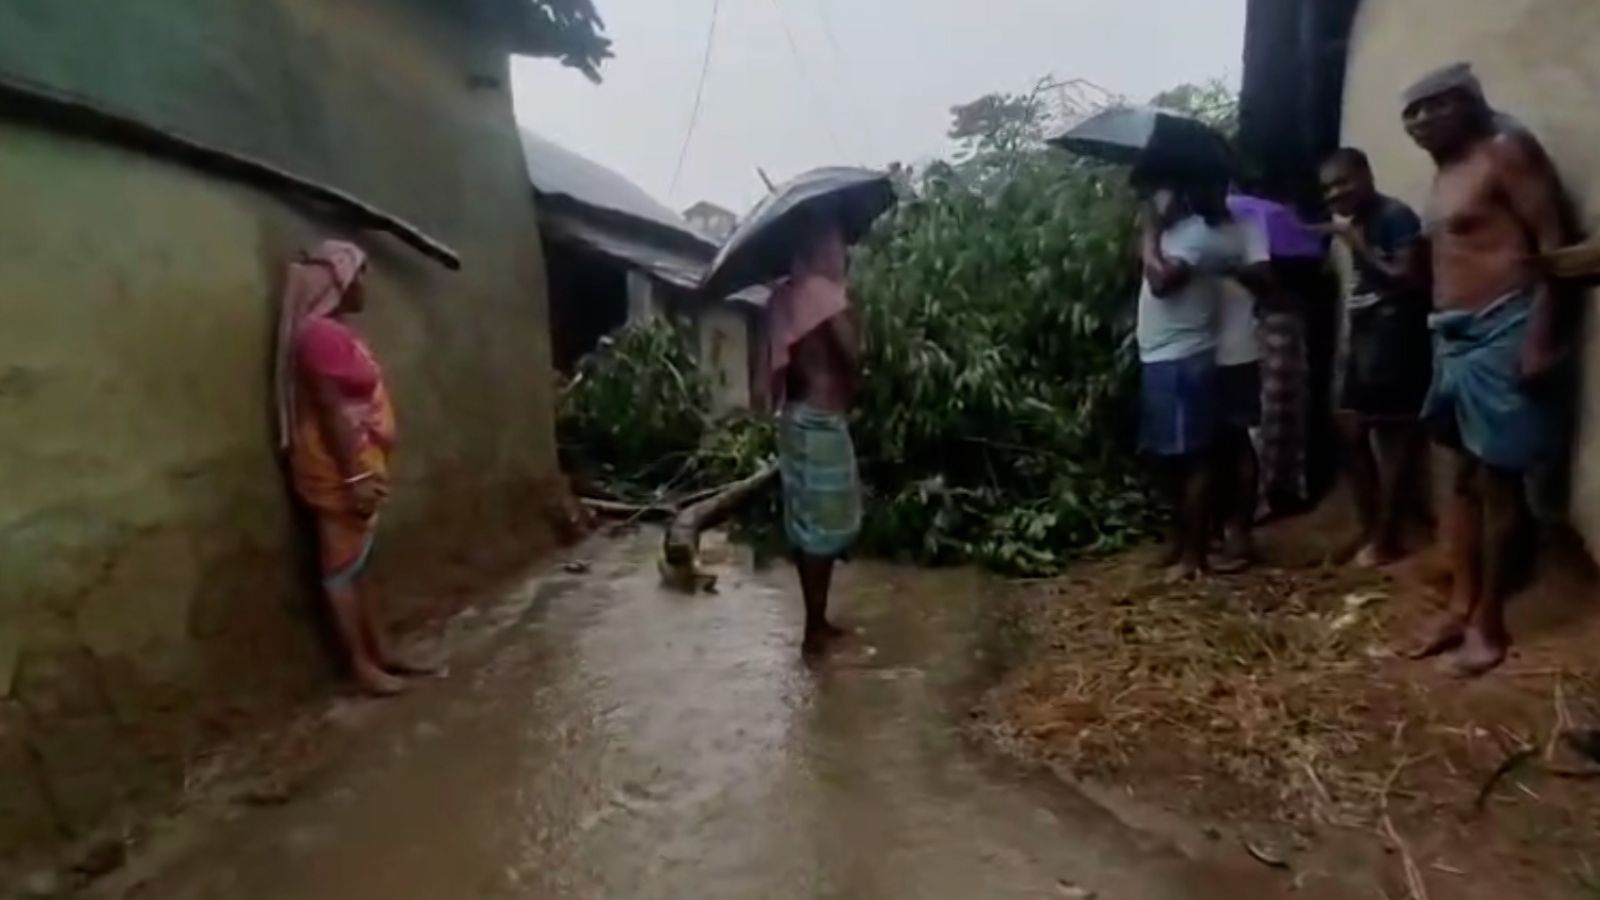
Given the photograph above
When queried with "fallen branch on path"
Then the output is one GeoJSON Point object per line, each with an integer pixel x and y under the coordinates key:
{"type": "Point", "coordinates": [613, 509]}
{"type": "Point", "coordinates": [680, 549]}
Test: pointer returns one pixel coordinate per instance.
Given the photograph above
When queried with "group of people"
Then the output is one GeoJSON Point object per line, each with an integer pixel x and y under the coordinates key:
{"type": "Point", "coordinates": [336, 431]}
{"type": "Point", "coordinates": [1446, 329]}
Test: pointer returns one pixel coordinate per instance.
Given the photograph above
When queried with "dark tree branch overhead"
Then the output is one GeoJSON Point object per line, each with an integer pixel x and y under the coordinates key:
{"type": "Point", "coordinates": [569, 30]}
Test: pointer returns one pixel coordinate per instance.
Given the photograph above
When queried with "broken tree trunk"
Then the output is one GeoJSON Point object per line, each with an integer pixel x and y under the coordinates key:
{"type": "Point", "coordinates": [680, 549]}
{"type": "Point", "coordinates": [613, 509]}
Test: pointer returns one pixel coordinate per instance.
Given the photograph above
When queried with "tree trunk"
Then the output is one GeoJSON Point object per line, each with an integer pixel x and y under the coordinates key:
{"type": "Point", "coordinates": [681, 547]}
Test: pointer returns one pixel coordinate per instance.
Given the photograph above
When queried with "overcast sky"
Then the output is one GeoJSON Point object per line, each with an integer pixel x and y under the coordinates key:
{"type": "Point", "coordinates": [800, 83]}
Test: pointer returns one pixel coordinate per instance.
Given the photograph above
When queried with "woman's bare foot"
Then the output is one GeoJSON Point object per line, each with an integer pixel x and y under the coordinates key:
{"type": "Point", "coordinates": [1443, 633]}
{"type": "Point", "coordinates": [378, 683]}
{"type": "Point", "coordinates": [415, 666]}
{"type": "Point", "coordinates": [1478, 655]}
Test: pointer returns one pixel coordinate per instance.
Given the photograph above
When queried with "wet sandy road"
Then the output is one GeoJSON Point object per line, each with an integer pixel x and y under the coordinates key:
{"type": "Point", "coordinates": [607, 739]}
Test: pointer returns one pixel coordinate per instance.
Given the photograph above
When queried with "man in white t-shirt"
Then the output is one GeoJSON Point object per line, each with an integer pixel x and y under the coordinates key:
{"type": "Point", "coordinates": [1192, 251]}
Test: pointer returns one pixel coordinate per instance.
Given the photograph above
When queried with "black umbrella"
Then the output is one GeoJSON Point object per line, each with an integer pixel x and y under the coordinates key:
{"type": "Point", "coordinates": [762, 247]}
{"type": "Point", "coordinates": [1153, 140]}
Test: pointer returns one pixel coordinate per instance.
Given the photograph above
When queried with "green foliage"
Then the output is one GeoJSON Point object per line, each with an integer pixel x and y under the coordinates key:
{"type": "Point", "coordinates": [635, 422]}
{"type": "Point", "coordinates": [996, 123]}
{"type": "Point", "coordinates": [1213, 103]}
{"type": "Point", "coordinates": [635, 412]}
{"type": "Point", "coordinates": [999, 368]}
{"type": "Point", "coordinates": [994, 424]}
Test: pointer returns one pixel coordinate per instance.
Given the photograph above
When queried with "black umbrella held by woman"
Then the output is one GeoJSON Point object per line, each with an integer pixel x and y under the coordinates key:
{"type": "Point", "coordinates": [763, 246]}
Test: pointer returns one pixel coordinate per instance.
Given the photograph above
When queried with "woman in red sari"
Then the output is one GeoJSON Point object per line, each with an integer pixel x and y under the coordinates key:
{"type": "Point", "coordinates": [337, 428]}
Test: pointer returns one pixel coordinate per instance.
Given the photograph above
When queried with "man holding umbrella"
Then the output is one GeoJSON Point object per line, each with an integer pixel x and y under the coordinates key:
{"type": "Point", "coordinates": [797, 237]}
{"type": "Point", "coordinates": [815, 365]}
{"type": "Point", "coordinates": [1200, 385]}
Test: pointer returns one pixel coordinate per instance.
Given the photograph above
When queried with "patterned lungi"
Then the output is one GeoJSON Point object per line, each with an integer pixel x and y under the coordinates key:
{"type": "Point", "coordinates": [821, 487]}
{"type": "Point", "coordinates": [1285, 405]}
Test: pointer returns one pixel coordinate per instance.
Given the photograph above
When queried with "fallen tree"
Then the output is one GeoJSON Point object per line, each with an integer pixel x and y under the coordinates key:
{"type": "Point", "coordinates": [996, 417]}
{"type": "Point", "coordinates": [680, 546]}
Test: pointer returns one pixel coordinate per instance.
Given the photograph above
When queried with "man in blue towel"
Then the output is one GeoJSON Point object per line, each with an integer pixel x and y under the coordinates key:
{"type": "Point", "coordinates": [1495, 206]}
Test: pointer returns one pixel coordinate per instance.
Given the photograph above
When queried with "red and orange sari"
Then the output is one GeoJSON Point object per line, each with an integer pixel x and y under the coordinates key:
{"type": "Point", "coordinates": [312, 343]}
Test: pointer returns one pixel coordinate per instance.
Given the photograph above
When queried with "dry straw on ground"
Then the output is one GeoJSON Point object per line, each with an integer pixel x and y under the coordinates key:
{"type": "Point", "coordinates": [1274, 695]}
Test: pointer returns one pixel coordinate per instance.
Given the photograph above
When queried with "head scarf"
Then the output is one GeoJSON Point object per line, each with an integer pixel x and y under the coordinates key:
{"type": "Point", "coordinates": [1455, 77]}
{"type": "Point", "coordinates": [315, 286]}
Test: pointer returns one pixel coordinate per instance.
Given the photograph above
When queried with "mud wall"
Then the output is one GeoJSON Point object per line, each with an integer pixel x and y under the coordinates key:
{"type": "Point", "coordinates": [156, 594]}
{"type": "Point", "coordinates": [724, 332]}
{"type": "Point", "coordinates": [1537, 60]}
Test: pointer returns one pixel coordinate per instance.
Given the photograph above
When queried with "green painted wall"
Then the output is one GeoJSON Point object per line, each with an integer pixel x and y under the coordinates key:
{"type": "Point", "coordinates": [154, 595]}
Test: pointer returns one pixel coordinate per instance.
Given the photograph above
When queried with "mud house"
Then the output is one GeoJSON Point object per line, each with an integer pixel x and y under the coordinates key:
{"type": "Point", "coordinates": [618, 256]}
{"type": "Point", "coordinates": [1324, 72]}
{"type": "Point", "coordinates": [160, 161]}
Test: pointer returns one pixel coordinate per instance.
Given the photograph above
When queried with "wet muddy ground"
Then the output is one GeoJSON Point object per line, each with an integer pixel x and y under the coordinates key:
{"type": "Point", "coordinates": [602, 737]}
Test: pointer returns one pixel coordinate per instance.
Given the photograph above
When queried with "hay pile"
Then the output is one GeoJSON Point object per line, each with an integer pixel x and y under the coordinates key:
{"type": "Point", "coordinates": [1271, 696]}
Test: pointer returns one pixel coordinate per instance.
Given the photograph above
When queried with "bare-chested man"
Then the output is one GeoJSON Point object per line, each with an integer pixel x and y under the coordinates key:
{"type": "Point", "coordinates": [816, 364]}
{"type": "Point", "coordinates": [1495, 205]}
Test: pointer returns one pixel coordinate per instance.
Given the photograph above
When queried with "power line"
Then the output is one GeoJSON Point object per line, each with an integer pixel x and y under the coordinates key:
{"type": "Point", "coordinates": [811, 87]}
{"type": "Point", "coordinates": [864, 122]}
{"type": "Point", "coordinates": [699, 96]}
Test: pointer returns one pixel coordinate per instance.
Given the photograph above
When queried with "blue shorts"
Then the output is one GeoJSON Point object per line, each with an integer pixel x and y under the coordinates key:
{"type": "Point", "coordinates": [1178, 405]}
{"type": "Point", "coordinates": [1239, 395]}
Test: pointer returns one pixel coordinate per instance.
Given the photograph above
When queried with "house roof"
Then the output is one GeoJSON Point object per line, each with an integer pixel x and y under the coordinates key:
{"type": "Point", "coordinates": [706, 207]}
{"type": "Point", "coordinates": [585, 202]}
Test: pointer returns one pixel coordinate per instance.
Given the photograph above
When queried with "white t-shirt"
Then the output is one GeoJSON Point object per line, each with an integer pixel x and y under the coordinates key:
{"type": "Point", "coordinates": [1237, 340]}
{"type": "Point", "coordinates": [1212, 312]}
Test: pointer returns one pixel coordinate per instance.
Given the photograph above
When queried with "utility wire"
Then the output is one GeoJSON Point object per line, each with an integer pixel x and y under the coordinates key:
{"type": "Point", "coordinates": [864, 122]}
{"type": "Point", "coordinates": [699, 96]}
{"type": "Point", "coordinates": [805, 78]}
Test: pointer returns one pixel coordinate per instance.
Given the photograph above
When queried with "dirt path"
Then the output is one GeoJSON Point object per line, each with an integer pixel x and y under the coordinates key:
{"type": "Point", "coordinates": [602, 738]}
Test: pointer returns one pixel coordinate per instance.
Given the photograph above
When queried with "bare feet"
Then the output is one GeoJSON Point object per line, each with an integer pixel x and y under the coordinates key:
{"type": "Point", "coordinates": [378, 683]}
{"type": "Point", "coordinates": [1443, 633]}
{"type": "Point", "coordinates": [1350, 550]}
{"type": "Point", "coordinates": [1373, 556]}
{"type": "Point", "coordinates": [1230, 564]}
{"type": "Point", "coordinates": [1170, 555]}
{"type": "Point", "coordinates": [819, 638]}
{"type": "Point", "coordinates": [1180, 572]}
{"type": "Point", "coordinates": [1479, 654]}
{"type": "Point", "coordinates": [416, 666]}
